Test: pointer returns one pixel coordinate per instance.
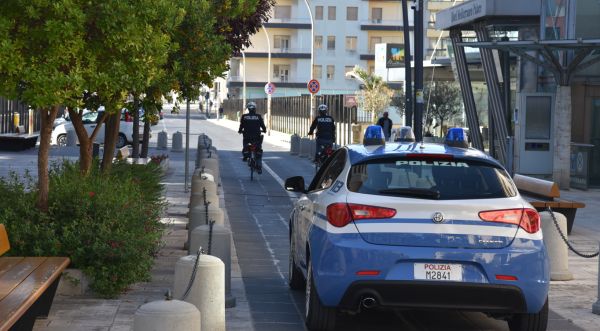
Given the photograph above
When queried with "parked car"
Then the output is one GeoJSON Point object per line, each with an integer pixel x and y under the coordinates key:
{"type": "Point", "coordinates": [90, 121]}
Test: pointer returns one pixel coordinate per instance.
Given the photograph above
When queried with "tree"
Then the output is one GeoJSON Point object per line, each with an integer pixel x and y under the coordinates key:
{"type": "Point", "coordinates": [375, 96]}
{"type": "Point", "coordinates": [443, 101]}
{"type": "Point", "coordinates": [41, 53]}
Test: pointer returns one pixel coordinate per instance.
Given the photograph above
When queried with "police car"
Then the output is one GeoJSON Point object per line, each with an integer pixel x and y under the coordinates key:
{"type": "Point", "coordinates": [413, 225]}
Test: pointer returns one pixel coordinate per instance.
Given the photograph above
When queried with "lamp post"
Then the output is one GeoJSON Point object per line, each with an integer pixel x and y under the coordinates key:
{"type": "Point", "coordinates": [312, 56]}
{"type": "Point", "coordinates": [244, 82]}
{"type": "Point", "coordinates": [269, 121]}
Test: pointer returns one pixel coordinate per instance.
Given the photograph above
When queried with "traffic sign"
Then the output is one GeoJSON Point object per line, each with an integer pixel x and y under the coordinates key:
{"type": "Point", "coordinates": [314, 86]}
{"type": "Point", "coordinates": [269, 88]}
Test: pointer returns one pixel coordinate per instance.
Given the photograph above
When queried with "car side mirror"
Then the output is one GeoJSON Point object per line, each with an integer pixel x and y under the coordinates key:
{"type": "Point", "coordinates": [295, 184]}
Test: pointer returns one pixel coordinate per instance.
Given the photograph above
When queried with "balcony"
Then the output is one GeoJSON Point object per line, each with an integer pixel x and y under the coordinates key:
{"type": "Point", "coordinates": [383, 25]}
{"type": "Point", "coordinates": [280, 82]}
{"type": "Point", "coordinates": [435, 6]}
{"type": "Point", "coordinates": [278, 53]}
{"type": "Point", "coordinates": [367, 54]}
{"type": "Point", "coordinates": [289, 23]}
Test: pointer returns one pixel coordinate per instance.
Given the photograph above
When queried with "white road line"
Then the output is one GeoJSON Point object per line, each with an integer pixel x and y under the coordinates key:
{"type": "Point", "coordinates": [279, 180]}
{"type": "Point", "coordinates": [270, 249]}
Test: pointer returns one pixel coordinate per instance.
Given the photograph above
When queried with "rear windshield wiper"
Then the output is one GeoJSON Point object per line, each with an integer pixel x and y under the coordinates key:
{"type": "Point", "coordinates": [413, 192]}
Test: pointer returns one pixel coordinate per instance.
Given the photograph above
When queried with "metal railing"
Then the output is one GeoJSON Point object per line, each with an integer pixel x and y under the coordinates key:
{"type": "Point", "coordinates": [292, 114]}
{"type": "Point", "coordinates": [8, 108]}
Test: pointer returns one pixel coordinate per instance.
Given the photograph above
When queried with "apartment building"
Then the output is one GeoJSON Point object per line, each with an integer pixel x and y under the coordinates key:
{"type": "Point", "coordinates": [346, 33]}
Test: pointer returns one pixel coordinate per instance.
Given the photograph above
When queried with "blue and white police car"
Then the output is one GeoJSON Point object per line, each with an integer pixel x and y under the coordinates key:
{"type": "Point", "coordinates": [416, 225]}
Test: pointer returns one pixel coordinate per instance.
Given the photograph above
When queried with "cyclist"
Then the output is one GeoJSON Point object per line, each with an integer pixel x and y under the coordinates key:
{"type": "Point", "coordinates": [325, 126]}
{"type": "Point", "coordinates": [251, 125]}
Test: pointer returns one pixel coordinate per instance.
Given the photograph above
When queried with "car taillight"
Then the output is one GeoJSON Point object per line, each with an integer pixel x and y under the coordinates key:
{"type": "Point", "coordinates": [252, 148]}
{"type": "Point", "coordinates": [340, 214]}
{"type": "Point", "coordinates": [526, 218]}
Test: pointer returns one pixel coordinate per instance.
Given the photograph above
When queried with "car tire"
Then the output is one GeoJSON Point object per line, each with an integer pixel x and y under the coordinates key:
{"type": "Point", "coordinates": [318, 317]}
{"type": "Point", "coordinates": [530, 322]}
{"type": "Point", "coordinates": [121, 141]}
{"type": "Point", "coordinates": [61, 140]}
{"type": "Point", "coordinates": [295, 278]}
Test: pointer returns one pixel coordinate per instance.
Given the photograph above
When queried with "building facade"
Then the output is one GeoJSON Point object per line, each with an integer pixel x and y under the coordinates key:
{"type": "Point", "coordinates": [345, 35]}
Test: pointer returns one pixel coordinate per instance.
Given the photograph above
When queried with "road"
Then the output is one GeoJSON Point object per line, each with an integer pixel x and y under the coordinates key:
{"type": "Point", "coordinates": [258, 212]}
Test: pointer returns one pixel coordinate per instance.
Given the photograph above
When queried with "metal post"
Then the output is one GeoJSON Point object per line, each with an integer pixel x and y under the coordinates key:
{"type": "Point", "coordinates": [269, 119]}
{"type": "Point", "coordinates": [187, 143]}
{"type": "Point", "coordinates": [312, 56]}
{"type": "Point", "coordinates": [408, 106]}
{"type": "Point", "coordinates": [418, 123]}
{"type": "Point", "coordinates": [244, 82]}
{"type": "Point", "coordinates": [596, 305]}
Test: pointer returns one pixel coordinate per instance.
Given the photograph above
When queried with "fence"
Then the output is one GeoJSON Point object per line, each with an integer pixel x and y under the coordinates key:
{"type": "Point", "coordinates": [292, 114]}
{"type": "Point", "coordinates": [8, 108]}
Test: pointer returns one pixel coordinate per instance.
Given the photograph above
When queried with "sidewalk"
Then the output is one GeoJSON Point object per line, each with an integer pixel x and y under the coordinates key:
{"type": "Point", "coordinates": [571, 299]}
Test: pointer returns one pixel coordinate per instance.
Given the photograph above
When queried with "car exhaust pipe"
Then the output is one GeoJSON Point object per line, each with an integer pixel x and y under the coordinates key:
{"type": "Point", "coordinates": [368, 302]}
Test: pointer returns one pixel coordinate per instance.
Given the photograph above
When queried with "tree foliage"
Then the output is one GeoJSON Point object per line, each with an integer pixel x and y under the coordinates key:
{"type": "Point", "coordinates": [443, 101]}
{"type": "Point", "coordinates": [375, 96]}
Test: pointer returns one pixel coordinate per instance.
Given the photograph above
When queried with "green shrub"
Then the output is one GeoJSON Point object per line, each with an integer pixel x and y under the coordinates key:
{"type": "Point", "coordinates": [109, 225]}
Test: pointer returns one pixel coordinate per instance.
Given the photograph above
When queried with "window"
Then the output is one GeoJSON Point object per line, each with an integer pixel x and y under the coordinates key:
{"type": "Point", "coordinates": [283, 12]}
{"type": "Point", "coordinates": [376, 15]}
{"type": "Point", "coordinates": [431, 179]}
{"type": "Point", "coordinates": [330, 43]}
{"type": "Point", "coordinates": [331, 14]}
{"type": "Point", "coordinates": [282, 42]}
{"type": "Point", "coordinates": [317, 71]}
{"type": "Point", "coordinates": [90, 117]}
{"type": "Point", "coordinates": [329, 172]}
{"type": "Point", "coordinates": [352, 14]}
{"type": "Point", "coordinates": [348, 69]}
{"type": "Point", "coordinates": [351, 43]}
{"type": "Point", "coordinates": [318, 12]}
{"type": "Point", "coordinates": [318, 42]}
{"type": "Point", "coordinates": [330, 71]}
{"type": "Point", "coordinates": [374, 41]}
{"type": "Point", "coordinates": [281, 72]}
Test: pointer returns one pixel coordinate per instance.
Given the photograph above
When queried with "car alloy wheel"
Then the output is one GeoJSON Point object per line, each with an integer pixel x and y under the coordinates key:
{"type": "Point", "coordinates": [61, 140]}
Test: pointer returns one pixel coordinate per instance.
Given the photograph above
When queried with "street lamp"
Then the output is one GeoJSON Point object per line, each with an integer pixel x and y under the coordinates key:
{"type": "Point", "coordinates": [312, 55]}
{"type": "Point", "coordinates": [244, 81]}
{"type": "Point", "coordinates": [269, 121]}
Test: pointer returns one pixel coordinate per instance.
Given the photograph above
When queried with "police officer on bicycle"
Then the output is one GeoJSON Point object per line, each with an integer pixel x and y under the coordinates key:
{"type": "Point", "coordinates": [251, 125]}
{"type": "Point", "coordinates": [325, 126]}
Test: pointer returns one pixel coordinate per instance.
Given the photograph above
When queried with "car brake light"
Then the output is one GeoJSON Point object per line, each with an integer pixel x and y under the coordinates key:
{"type": "Point", "coordinates": [368, 273]}
{"type": "Point", "coordinates": [526, 218]}
{"type": "Point", "coordinates": [506, 277]}
{"type": "Point", "coordinates": [340, 214]}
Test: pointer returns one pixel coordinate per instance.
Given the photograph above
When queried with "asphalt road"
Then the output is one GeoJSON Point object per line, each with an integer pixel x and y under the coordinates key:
{"type": "Point", "coordinates": [258, 212]}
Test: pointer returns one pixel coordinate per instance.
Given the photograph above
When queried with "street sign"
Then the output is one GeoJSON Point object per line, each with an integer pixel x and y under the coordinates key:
{"type": "Point", "coordinates": [350, 101]}
{"type": "Point", "coordinates": [314, 86]}
{"type": "Point", "coordinates": [269, 88]}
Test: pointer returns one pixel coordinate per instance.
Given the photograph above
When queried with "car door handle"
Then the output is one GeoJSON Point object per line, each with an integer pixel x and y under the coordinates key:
{"type": "Point", "coordinates": [92, 126]}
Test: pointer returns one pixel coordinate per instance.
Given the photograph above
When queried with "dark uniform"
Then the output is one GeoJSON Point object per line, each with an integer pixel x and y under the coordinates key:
{"type": "Point", "coordinates": [251, 125]}
{"type": "Point", "coordinates": [325, 126]}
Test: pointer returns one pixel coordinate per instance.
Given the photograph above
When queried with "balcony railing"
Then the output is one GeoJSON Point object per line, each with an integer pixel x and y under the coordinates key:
{"type": "Point", "coordinates": [296, 20]}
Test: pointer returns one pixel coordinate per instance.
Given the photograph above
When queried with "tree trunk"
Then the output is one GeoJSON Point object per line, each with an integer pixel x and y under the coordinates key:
{"type": "Point", "coordinates": [48, 117]}
{"type": "Point", "coordinates": [110, 140]}
{"type": "Point", "coordinates": [135, 145]}
{"type": "Point", "coordinates": [441, 127]}
{"type": "Point", "coordinates": [85, 142]}
{"type": "Point", "coordinates": [146, 138]}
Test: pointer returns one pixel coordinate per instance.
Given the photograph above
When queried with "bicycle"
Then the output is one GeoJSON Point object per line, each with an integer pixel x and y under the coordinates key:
{"type": "Point", "coordinates": [325, 151]}
{"type": "Point", "coordinates": [254, 158]}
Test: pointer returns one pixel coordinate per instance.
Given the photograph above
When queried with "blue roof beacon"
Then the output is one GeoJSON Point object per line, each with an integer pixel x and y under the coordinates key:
{"type": "Point", "coordinates": [457, 137]}
{"type": "Point", "coordinates": [405, 135]}
{"type": "Point", "coordinates": [373, 136]}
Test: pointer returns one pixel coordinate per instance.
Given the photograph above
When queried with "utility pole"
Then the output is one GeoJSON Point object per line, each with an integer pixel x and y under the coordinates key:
{"type": "Point", "coordinates": [418, 128]}
{"type": "Point", "coordinates": [408, 92]}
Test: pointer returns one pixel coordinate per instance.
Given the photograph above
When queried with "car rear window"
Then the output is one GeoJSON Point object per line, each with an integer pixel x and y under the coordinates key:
{"type": "Point", "coordinates": [436, 179]}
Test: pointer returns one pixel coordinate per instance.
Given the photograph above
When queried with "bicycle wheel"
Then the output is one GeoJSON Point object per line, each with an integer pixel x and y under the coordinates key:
{"type": "Point", "coordinates": [251, 163]}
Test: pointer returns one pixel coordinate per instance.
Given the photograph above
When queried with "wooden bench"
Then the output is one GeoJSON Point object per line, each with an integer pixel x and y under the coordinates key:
{"type": "Point", "coordinates": [542, 194]}
{"type": "Point", "coordinates": [17, 141]}
{"type": "Point", "coordinates": [27, 287]}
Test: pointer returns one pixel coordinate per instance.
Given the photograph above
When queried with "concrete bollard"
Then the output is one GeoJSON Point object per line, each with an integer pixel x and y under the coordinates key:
{"type": "Point", "coordinates": [558, 252]}
{"type": "Point", "coordinates": [294, 144]}
{"type": "Point", "coordinates": [205, 180]}
{"type": "Point", "coordinates": [71, 138]}
{"type": "Point", "coordinates": [212, 165]}
{"type": "Point", "coordinates": [198, 216]}
{"type": "Point", "coordinates": [203, 196]}
{"type": "Point", "coordinates": [220, 246]}
{"type": "Point", "coordinates": [312, 149]}
{"type": "Point", "coordinates": [304, 147]}
{"type": "Point", "coordinates": [596, 305]}
{"type": "Point", "coordinates": [173, 315]}
{"type": "Point", "coordinates": [162, 140]}
{"type": "Point", "coordinates": [177, 142]}
{"type": "Point", "coordinates": [208, 290]}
